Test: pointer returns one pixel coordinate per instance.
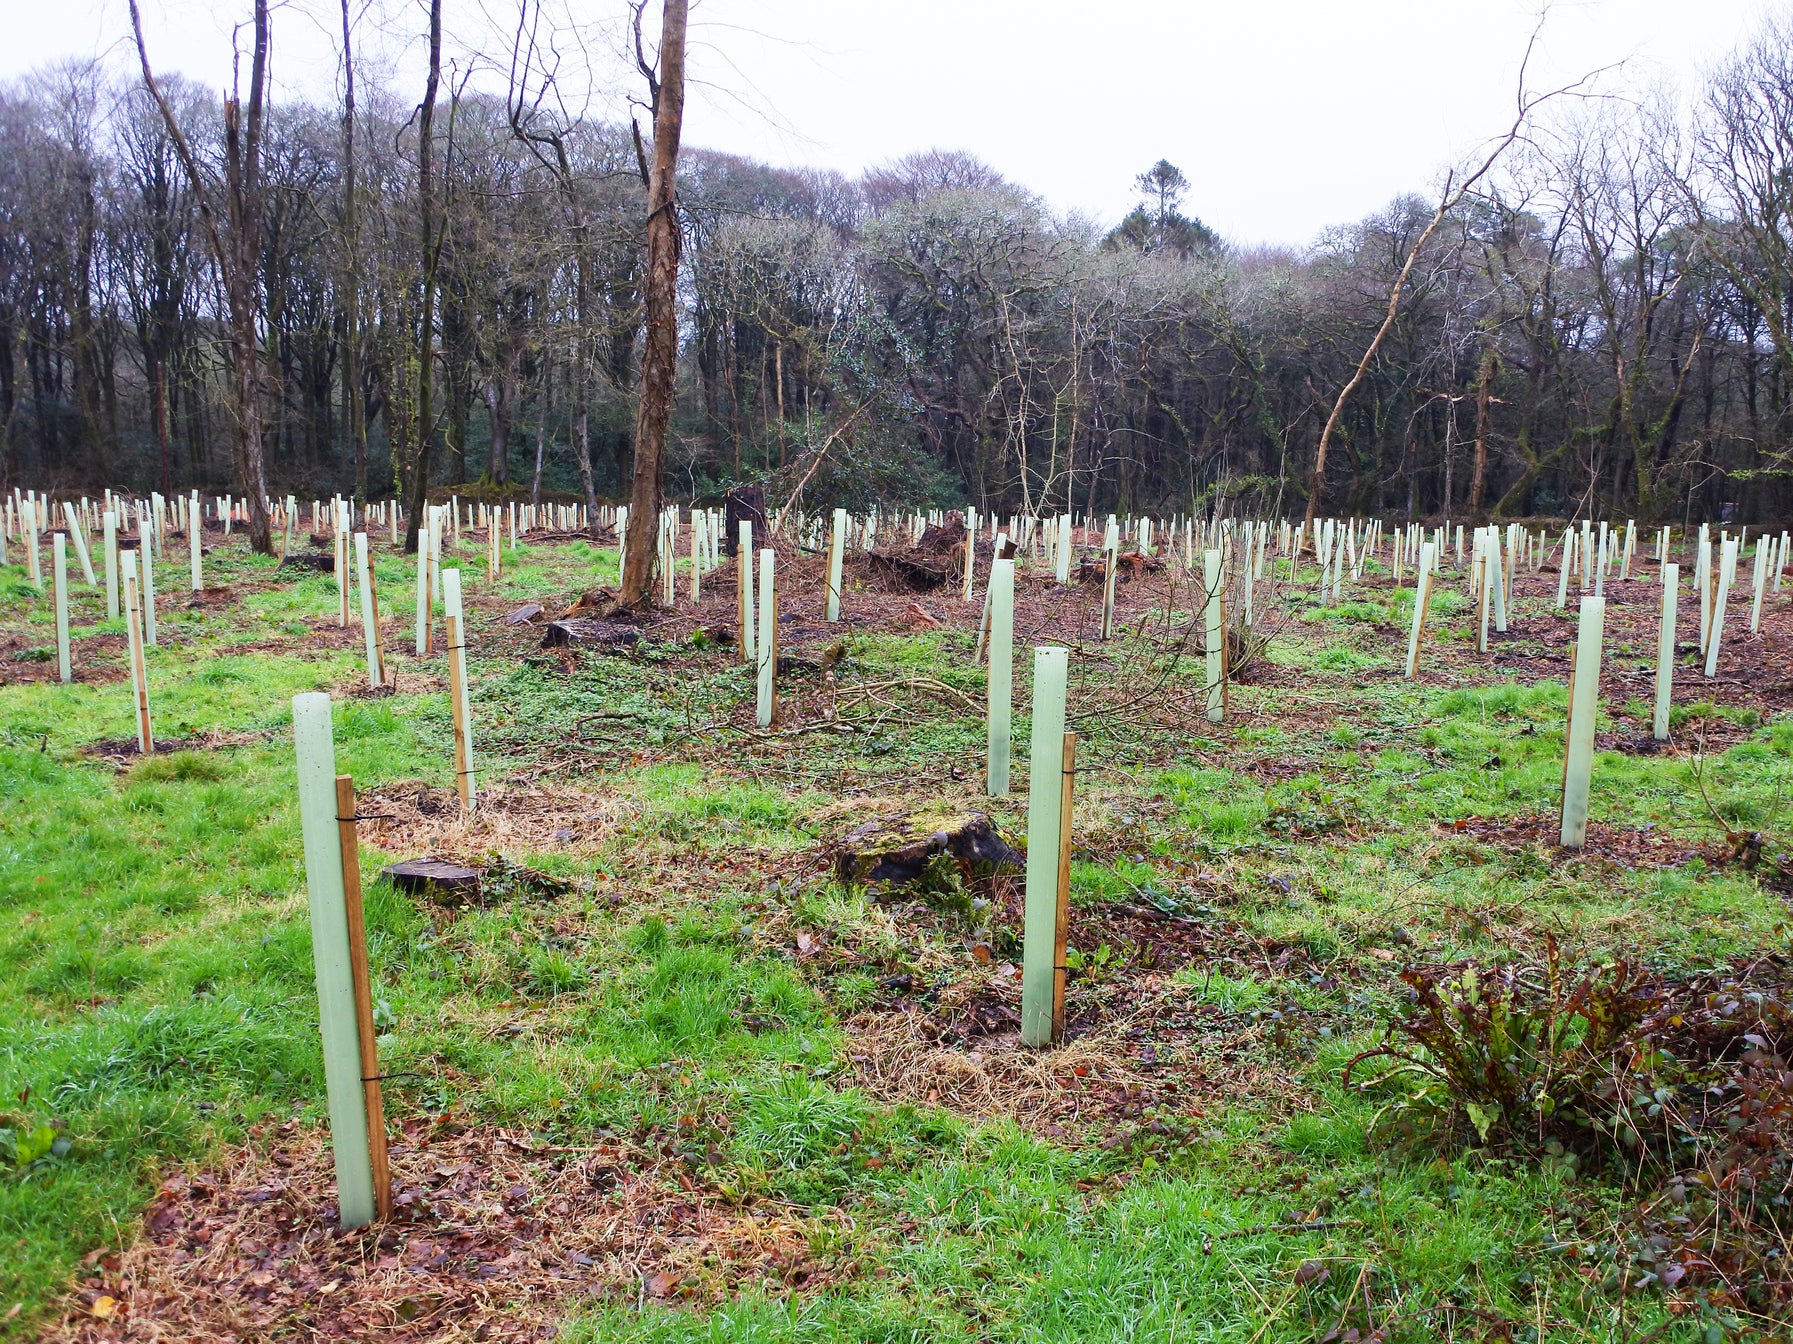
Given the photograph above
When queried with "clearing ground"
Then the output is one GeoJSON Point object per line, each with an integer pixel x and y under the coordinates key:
{"type": "Point", "coordinates": [666, 1078]}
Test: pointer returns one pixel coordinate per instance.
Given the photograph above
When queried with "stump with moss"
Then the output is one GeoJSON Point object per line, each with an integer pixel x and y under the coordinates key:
{"type": "Point", "coordinates": [899, 850]}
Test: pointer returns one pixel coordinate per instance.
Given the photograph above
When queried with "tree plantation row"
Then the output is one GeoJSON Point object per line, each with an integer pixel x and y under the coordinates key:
{"type": "Point", "coordinates": [1284, 788]}
{"type": "Point", "coordinates": [1225, 559]}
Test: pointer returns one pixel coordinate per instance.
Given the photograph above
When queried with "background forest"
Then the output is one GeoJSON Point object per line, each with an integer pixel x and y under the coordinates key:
{"type": "Point", "coordinates": [1605, 326]}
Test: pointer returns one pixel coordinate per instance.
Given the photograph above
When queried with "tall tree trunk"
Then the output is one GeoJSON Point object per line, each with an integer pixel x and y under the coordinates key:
{"type": "Point", "coordinates": [659, 357]}
{"type": "Point", "coordinates": [541, 429]}
{"type": "Point", "coordinates": [423, 424]}
{"type": "Point", "coordinates": [581, 373]}
{"type": "Point", "coordinates": [235, 240]}
{"type": "Point", "coordinates": [351, 281]}
{"type": "Point", "coordinates": [1484, 420]}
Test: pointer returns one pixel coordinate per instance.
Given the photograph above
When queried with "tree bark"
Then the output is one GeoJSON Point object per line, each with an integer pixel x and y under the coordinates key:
{"type": "Point", "coordinates": [235, 241]}
{"type": "Point", "coordinates": [423, 424]}
{"type": "Point", "coordinates": [659, 358]}
{"type": "Point", "coordinates": [1484, 419]}
{"type": "Point", "coordinates": [351, 287]}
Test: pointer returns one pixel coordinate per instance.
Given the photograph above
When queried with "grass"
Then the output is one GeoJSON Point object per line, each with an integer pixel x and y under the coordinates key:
{"type": "Point", "coordinates": [157, 1003]}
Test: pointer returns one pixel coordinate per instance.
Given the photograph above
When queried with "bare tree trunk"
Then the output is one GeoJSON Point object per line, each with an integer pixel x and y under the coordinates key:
{"type": "Point", "coordinates": [159, 408]}
{"type": "Point", "coordinates": [659, 358]}
{"type": "Point", "coordinates": [423, 425]}
{"type": "Point", "coordinates": [1484, 419]}
{"type": "Point", "coordinates": [351, 288]}
{"type": "Point", "coordinates": [235, 241]}
{"type": "Point", "coordinates": [541, 429]}
{"type": "Point", "coordinates": [582, 385]}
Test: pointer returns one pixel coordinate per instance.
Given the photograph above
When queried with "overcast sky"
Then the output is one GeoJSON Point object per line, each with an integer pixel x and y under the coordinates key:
{"type": "Point", "coordinates": [1286, 115]}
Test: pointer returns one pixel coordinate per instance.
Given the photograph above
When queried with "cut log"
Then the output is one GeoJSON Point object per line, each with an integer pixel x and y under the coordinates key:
{"type": "Point", "coordinates": [322, 561]}
{"type": "Point", "coordinates": [571, 630]}
{"type": "Point", "coordinates": [897, 850]}
{"type": "Point", "coordinates": [437, 879]}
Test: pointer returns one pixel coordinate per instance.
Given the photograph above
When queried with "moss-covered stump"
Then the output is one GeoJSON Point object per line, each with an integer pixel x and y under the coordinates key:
{"type": "Point", "coordinates": [897, 850]}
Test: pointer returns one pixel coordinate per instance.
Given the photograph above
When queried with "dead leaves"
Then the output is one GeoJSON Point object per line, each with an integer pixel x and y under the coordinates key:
{"type": "Point", "coordinates": [491, 1233]}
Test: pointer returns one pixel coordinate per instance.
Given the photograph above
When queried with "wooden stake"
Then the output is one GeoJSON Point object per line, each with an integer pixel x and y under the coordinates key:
{"type": "Point", "coordinates": [364, 994]}
{"type": "Point", "coordinates": [1068, 770]}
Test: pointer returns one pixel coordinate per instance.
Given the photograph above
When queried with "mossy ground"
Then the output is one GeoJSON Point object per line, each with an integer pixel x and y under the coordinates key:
{"type": "Point", "coordinates": [156, 995]}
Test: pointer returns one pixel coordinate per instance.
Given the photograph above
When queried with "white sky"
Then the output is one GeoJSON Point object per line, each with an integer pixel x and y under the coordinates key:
{"type": "Point", "coordinates": [1286, 115]}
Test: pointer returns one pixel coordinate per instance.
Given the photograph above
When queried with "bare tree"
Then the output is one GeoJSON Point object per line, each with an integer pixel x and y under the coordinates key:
{"type": "Point", "coordinates": [430, 238]}
{"type": "Point", "coordinates": [659, 360]}
{"type": "Point", "coordinates": [1455, 189]}
{"type": "Point", "coordinates": [234, 233]}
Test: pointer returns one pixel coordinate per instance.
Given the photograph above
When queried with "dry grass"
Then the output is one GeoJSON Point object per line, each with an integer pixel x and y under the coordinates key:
{"type": "Point", "coordinates": [898, 1059]}
{"type": "Point", "coordinates": [413, 818]}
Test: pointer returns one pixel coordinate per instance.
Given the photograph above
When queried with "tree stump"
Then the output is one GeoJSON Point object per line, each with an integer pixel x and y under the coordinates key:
{"type": "Point", "coordinates": [898, 850]}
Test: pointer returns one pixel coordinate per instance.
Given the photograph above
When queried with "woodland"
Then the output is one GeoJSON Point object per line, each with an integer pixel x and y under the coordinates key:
{"type": "Point", "coordinates": [1601, 324]}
